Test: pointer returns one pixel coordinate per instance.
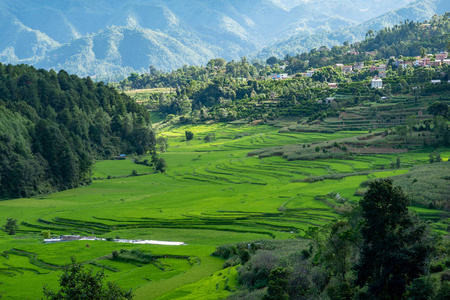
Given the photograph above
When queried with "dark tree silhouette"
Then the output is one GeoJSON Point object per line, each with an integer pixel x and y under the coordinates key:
{"type": "Point", "coordinates": [395, 249]}
{"type": "Point", "coordinates": [78, 283]}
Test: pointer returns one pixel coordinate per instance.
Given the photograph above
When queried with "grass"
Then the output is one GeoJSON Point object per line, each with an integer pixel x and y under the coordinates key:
{"type": "Point", "coordinates": [149, 91]}
{"type": "Point", "coordinates": [211, 194]}
{"type": "Point", "coordinates": [118, 168]}
{"type": "Point", "coordinates": [217, 286]}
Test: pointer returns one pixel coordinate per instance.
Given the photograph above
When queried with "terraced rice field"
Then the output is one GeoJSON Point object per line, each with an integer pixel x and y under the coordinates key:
{"type": "Point", "coordinates": [211, 194]}
{"type": "Point", "coordinates": [372, 115]}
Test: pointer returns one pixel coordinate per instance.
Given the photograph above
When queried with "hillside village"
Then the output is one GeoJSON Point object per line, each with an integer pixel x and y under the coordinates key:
{"type": "Point", "coordinates": [430, 60]}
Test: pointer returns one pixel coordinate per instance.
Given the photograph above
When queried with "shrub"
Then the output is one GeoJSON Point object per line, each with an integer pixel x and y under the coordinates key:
{"type": "Point", "coordinates": [341, 290]}
{"type": "Point", "coordinates": [225, 251]}
{"type": "Point", "coordinates": [46, 234]}
{"type": "Point", "coordinates": [189, 135]}
{"type": "Point", "coordinates": [278, 283]}
{"type": "Point", "coordinates": [231, 262]}
{"type": "Point", "coordinates": [161, 165]}
{"type": "Point", "coordinates": [435, 157]}
{"type": "Point", "coordinates": [421, 288]}
{"type": "Point", "coordinates": [255, 273]}
{"type": "Point", "coordinates": [244, 255]}
{"type": "Point", "coordinates": [445, 276]}
{"type": "Point", "coordinates": [11, 226]}
{"type": "Point", "coordinates": [437, 267]}
{"type": "Point", "coordinates": [443, 292]}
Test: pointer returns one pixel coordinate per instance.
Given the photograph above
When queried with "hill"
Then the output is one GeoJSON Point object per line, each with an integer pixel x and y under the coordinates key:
{"type": "Point", "coordinates": [416, 11]}
{"type": "Point", "coordinates": [116, 37]}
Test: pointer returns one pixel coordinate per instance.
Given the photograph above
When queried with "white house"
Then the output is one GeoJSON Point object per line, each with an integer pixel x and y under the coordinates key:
{"type": "Point", "coordinates": [377, 83]}
{"type": "Point", "coordinates": [309, 73]}
{"type": "Point", "coordinates": [326, 101]}
{"type": "Point", "coordinates": [279, 76]}
{"type": "Point", "coordinates": [347, 69]}
{"type": "Point", "coordinates": [332, 85]}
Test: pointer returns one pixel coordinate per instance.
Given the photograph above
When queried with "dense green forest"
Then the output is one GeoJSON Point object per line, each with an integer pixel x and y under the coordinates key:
{"type": "Point", "coordinates": [54, 125]}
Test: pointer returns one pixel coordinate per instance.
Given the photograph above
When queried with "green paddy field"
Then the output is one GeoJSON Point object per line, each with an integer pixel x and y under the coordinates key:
{"type": "Point", "coordinates": [211, 194]}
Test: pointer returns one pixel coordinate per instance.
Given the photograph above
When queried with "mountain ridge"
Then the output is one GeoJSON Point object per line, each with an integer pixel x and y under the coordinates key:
{"type": "Point", "coordinates": [416, 11]}
{"type": "Point", "coordinates": [106, 38]}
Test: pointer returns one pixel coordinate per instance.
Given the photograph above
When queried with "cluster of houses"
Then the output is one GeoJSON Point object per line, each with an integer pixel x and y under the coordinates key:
{"type": "Point", "coordinates": [381, 70]}
{"type": "Point", "coordinates": [441, 58]}
{"type": "Point", "coordinates": [345, 69]}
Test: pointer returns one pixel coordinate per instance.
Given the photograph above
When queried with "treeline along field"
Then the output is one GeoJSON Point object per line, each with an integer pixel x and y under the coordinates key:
{"type": "Point", "coordinates": [53, 126]}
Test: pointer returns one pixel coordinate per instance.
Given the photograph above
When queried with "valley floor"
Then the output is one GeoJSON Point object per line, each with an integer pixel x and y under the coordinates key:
{"type": "Point", "coordinates": [211, 194]}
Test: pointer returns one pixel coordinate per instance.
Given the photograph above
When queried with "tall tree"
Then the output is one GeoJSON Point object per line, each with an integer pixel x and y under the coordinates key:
{"type": "Point", "coordinates": [411, 121]}
{"type": "Point", "coordinates": [438, 109]}
{"type": "Point", "coordinates": [278, 284]}
{"type": "Point", "coordinates": [395, 249]}
{"type": "Point", "coordinates": [78, 283]}
{"type": "Point", "coordinates": [339, 248]}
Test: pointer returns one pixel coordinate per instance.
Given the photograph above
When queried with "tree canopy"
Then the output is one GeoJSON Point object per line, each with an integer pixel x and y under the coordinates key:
{"type": "Point", "coordinates": [78, 283]}
{"type": "Point", "coordinates": [53, 125]}
{"type": "Point", "coordinates": [395, 249]}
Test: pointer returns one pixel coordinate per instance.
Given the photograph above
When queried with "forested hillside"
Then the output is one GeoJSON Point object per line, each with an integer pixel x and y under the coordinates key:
{"type": "Point", "coordinates": [408, 38]}
{"type": "Point", "coordinates": [53, 125]}
{"type": "Point", "coordinates": [229, 91]}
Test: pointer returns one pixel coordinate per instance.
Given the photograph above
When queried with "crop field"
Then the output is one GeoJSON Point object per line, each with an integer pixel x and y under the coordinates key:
{"type": "Point", "coordinates": [211, 194]}
{"type": "Point", "coordinates": [149, 91]}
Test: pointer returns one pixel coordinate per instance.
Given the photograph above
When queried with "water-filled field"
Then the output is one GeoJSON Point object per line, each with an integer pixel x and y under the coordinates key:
{"type": "Point", "coordinates": [211, 194]}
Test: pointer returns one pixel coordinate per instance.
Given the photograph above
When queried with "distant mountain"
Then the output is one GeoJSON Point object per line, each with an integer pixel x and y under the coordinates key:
{"type": "Point", "coordinates": [416, 11]}
{"type": "Point", "coordinates": [104, 37]}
